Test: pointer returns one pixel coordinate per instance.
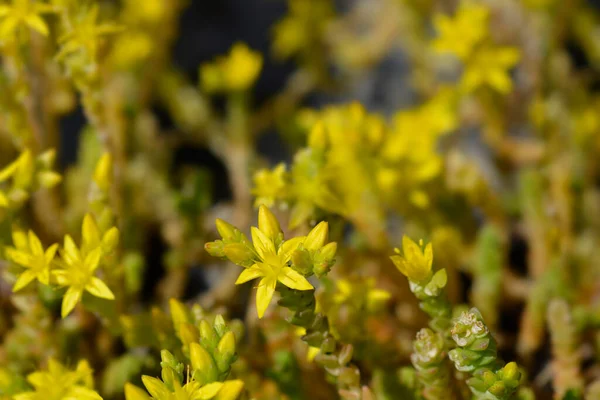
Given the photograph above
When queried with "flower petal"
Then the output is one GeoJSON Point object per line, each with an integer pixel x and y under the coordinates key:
{"type": "Point", "coordinates": [70, 251]}
{"type": "Point", "coordinates": [289, 246]}
{"type": "Point", "coordinates": [19, 257]}
{"type": "Point", "coordinates": [264, 294]}
{"type": "Point", "coordinates": [90, 233]}
{"type": "Point", "coordinates": [250, 273]}
{"type": "Point", "coordinates": [70, 300]}
{"type": "Point", "coordinates": [262, 243]}
{"type": "Point", "coordinates": [293, 279]}
{"type": "Point", "coordinates": [92, 260]}
{"type": "Point", "coordinates": [24, 279]}
{"type": "Point", "coordinates": [50, 253]}
{"type": "Point", "coordinates": [34, 244]}
{"type": "Point", "coordinates": [209, 390]}
{"type": "Point", "coordinates": [99, 289]}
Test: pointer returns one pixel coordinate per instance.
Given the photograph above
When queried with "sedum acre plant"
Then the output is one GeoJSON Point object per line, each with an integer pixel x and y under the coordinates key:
{"type": "Point", "coordinates": [386, 200]}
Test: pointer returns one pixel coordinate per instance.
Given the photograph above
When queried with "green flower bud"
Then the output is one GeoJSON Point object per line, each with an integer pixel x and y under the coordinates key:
{"type": "Point", "coordinates": [203, 364]}
{"type": "Point", "coordinates": [208, 335]}
{"type": "Point", "coordinates": [225, 229]}
{"type": "Point", "coordinates": [188, 333]}
{"type": "Point", "coordinates": [238, 253]}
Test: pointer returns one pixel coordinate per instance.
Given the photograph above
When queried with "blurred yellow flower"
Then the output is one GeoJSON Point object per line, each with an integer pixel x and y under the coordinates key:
{"type": "Point", "coordinates": [23, 13]}
{"type": "Point", "coordinates": [85, 35]}
{"type": "Point", "coordinates": [29, 253]}
{"type": "Point", "coordinates": [461, 33]}
{"type": "Point", "coordinates": [235, 72]}
{"type": "Point", "coordinates": [60, 383]}
{"type": "Point", "coordinates": [490, 66]}
{"type": "Point", "coordinates": [78, 265]}
{"type": "Point", "coordinates": [269, 185]}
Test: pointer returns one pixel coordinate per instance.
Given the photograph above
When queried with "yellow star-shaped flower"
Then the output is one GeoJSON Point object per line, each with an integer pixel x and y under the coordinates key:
{"type": "Point", "coordinates": [415, 263]}
{"type": "Point", "coordinates": [23, 13]}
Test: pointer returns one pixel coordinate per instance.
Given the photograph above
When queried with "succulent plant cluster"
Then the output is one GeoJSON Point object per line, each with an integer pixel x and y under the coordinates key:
{"type": "Point", "coordinates": [464, 132]}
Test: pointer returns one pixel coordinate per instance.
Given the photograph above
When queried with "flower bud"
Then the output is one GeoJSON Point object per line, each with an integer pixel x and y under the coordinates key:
{"type": "Point", "coordinates": [226, 349]}
{"type": "Point", "coordinates": [203, 364]}
{"type": "Point", "coordinates": [511, 371]}
{"type": "Point", "coordinates": [238, 253]}
{"type": "Point", "coordinates": [179, 312]}
{"type": "Point", "coordinates": [103, 172]}
{"type": "Point", "coordinates": [220, 325]}
{"type": "Point", "coordinates": [188, 333]}
{"type": "Point", "coordinates": [225, 229]}
{"type": "Point", "coordinates": [317, 237]}
{"type": "Point", "coordinates": [207, 334]}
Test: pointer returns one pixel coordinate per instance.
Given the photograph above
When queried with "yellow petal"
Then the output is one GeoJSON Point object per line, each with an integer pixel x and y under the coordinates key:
{"type": "Point", "coordinates": [133, 392]}
{"type": "Point", "coordinates": [71, 252]}
{"type": "Point", "coordinates": [110, 240]}
{"type": "Point", "coordinates": [264, 294]}
{"type": "Point", "coordinates": [90, 232]}
{"type": "Point", "coordinates": [37, 23]}
{"type": "Point", "coordinates": [70, 301]}
{"type": "Point", "coordinates": [99, 289]}
{"type": "Point", "coordinates": [61, 276]}
{"type": "Point", "coordinates": [231, 390]}
{"type": "Point", "coordinates": [50, 253]}
{"type": "Point", "coordinates": [103, 172]}
{"type": "Point", "coordinates": [429, 256]}
{"type": "Point", "coordinates": [24, 279]}
{"type": "Point", "coordinates": [293, 279]}
{"type": "Point", "coordinates": [263, 244]}
{"type": "Point", "coordinates": [209, 390]}
{"type": "Point", "coordinates": [249, 273]}
{"type": "Point", "coordinates": [4, 202]}
{"type": "Point", "coordinates": [92, 260]}
{"type": "Point", "coordinates": [20, 240]}
{"type": "Point", "coordinates": [34, 244]}
{"type": "Point", "coordinates": [19, 257]}
{"type": "Point", "coordinates": [289, 246]}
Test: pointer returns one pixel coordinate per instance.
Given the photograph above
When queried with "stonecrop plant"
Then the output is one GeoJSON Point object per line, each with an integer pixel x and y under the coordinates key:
{"type": "Point", "coordinates": [389, 200]}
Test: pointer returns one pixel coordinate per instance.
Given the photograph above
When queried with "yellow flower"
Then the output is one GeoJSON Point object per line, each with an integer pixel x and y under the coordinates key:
{"type": "Point", "coordinates": [490, 66]}
{"type": "Point", "coordinates": [23, 13]}
{"type": "Point", "coordinates": [25, 174]}
{"type": "Point", "coordinates": [235, 72]}
{"type": "Point", "coordinates": [269, 186]}
{"type": "Point", "coordinates": [85, 35]}
{"type": "Point", "coordinates": [461, 33]}
{"type": "Point", "coordinates": [29, 253]}
{"type": "Point", "coordinates": [78, 265]}
{"type": "Point", "coordinates": [272, 265]}
{"type": "Point", "coordinates": [60, 383]}
{"type": "Point", "coordinates": [415, 263]}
